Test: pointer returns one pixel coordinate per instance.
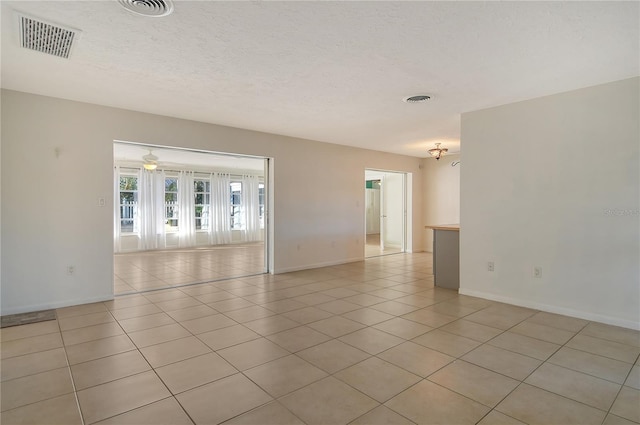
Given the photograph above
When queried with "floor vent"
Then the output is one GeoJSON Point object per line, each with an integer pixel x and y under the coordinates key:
{"type": "Point", "coordinates": [46, 37]}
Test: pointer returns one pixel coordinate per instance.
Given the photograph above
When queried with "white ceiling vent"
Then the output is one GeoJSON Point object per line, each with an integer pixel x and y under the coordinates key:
{"type": "Point", "coordinates": [46, 37]}
{"type": "Point", "coordinates": [153, 8]}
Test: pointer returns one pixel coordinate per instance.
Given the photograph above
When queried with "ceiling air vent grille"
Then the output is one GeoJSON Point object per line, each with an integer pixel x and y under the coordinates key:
{"type": "Point", "coordinates": [152, 8]}
{"type": "Point", "coordinates": [45, 37]}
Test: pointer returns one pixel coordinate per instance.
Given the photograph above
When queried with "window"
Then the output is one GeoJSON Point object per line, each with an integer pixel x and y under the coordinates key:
{"type": "Point", "coordinates": [261, 203]}
{"type": "Point", "coordinates": [202, 196]}
{"type": "Point", "coordinates": [128, 204]}
{"type": "Point", "coordinates": [236, 205]}
{"type": "Point", "coordinates": [171, 204]}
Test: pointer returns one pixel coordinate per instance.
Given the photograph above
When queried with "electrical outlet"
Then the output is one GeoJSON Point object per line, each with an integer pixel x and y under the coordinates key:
{"type": "Point", "coordinates": [101, 202]}
{"type": "Point", "coordinates": [537, 272]}
{"type": "Point", "coordinates": [71, 270]}
{"type": "Point", "coordinates": [491, 266]}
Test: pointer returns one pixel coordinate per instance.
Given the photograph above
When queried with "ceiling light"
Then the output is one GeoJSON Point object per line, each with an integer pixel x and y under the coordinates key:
{"type": "Point", "coordinates": [152, 8]}
{"type": "Point", "coordinates": [437, 151]}
{"type": "Point", "coordinates": [417, 99]}
{"type": "Point", "coordinates": [150, 161]}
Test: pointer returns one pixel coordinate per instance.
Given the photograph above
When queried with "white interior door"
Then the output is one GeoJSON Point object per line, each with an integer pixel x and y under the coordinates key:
{"type": "Point", "coordinates": [392, 206]}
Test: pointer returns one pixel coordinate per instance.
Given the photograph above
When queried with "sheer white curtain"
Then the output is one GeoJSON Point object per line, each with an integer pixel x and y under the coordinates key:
{"type": "Point", "coordinates": [117, 247]}
{"type": "Point", "coordinates": [220, 209]}
{"type": "Point", "coordinates": [250, 208]}
{"type": "Point", "coordinates": [186, 210]}
{"type": "Point", "coordinates": [151, 209]}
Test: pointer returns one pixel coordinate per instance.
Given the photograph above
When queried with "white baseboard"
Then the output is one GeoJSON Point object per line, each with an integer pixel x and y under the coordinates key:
{"type": "Point", "coordinates": [49, 306]}
{"type": "Point", "coordinates": [586, 315]}
{"type": "Point", "coordinates": [316, 265]}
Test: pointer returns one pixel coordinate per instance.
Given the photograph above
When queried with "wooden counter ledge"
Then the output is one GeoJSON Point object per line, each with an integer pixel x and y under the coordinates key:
{"type": "Point", "coordinates": [455, 227]}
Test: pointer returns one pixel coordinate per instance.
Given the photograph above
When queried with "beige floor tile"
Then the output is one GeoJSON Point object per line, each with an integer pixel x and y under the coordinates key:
{"type": "Point", "coordinates": [80, 310]}
{"type": "Point", "coordinates": [227, 337]}
{"type": "Point", "coordinates": [496, 418]}
{"type": "Point", "coordinates": [371, 340]}
{"type": "Point", "coordinates": [368, 316]}
{"type": "Point", "coordinates": [284, 375]}
{"type": "Point", "coordinates": [271, 325]}
{"type": "Point", "coordinates": [314, 299]}
{"type": "Point", "coordinates": [558, 321]}
{"type": "Point", "coordinates": [388, 294]}
{"type": "Point", "coordinates": [382, 415]}
{"type": "Point", "coordinates": [543, 332]}
{"type": "Point", "coordinates": [495, 319]}
{"type": "Point", "coordinates": [178, 304]}
{"type": "Point", "coordinates": [429, 318]}
{"type": "Point", "coordinates": [30, 364]}
{"type": "Point", "coordinates": [248, 314]}
{"type": "Point", "coordinates": [307, 315]}
{"type": "Point", "coordinates": [452, 309]}
{"type": "Point", "coordinates": [283, 306]}
{"type": "Point", "coordinates": [613, 333]}
{"type": "Point", "coordinates": [163, 412]}
{"type": "Point", "coordinates": [136, 311]}
{"type": "Point", "coordinates": [333, 355]}
{"type": "Point", "coordinates": [231, 304]}
{"type": "Point", "coordinates": [577, 386]}
{"type": "Point", "coordinates": [223, 399]}
{"type": "Point", "coordinates": [165, 295]}
{"type": "Point", "coordinates": [617, 420]}
{"type": "Point", "coordinates": [531, 347]}
{"type": "Point", "coordinates": [415, 299]}
{"type": "Point", "coordinates": [116, 397]}
{"type": "Point", "coordinates": [378, 379]}
{"type": "Point", "coordinates": [340, 292]}
{"type": "Point", "coordinates": [174, 351]}
{"type": "Point", "coordinates": [453, 345]}
{"type": "Point", "coordinates": [62, 410]}
{"type": "Point", "coordinates": [365, 300]}
{"type": "Point", "coordinates": [328, 401]}
{"type": "Point", "coordinates": [471, 330]}
{"type": "Point", "coordinates": [403, 328]}
{"type": "Point", "coordinates": [252, 353]}
{"type": "Point", "coordinates": [416, 359]}
{"type": "Point", "coordinates": [99, 348]}
{"type": "Point", "coordinates": [107, 369]}
{"type": "Point", "coordinates": [299, 338]}
{"type": "Point", "coordinates": [477, 383]}
{"type": "Point", "coordinates": [603, 347]}
{"type": "Point", "coordinates": [272, 413]}
{"type": "Point", "coordinates": [208, 323]}
{"type": "Point", "coordinates": [194, 312]}
{"type": "Point", "coordinates": [30, 330]}
{"type": "Point", "coordinates": [158, 335]}
{"type": "Point", "coordinates": [91, 333]}
{"type": "Point", "coordinates": [592, 364]}
{"type": "Point", "coordinates": [214, 297]}
{"type": "Point", "coordinates": [28, 345]}
{"type": "Point", "coordinates": [33, 388]}
{"type": "Point", "coordinates": [633, 380]}
{"type": "Point", "coordinates": [627, 404]}
{"type": "Point", "coordinates": [149, 321]}
{"type": "Point", "coordinates": [75, 322]}
{"type": "Point", "coordinates": [427, 402]}
{"type": "Point", "coordinates": [336, 326]}
{"type": "Point", "coordinates": [514, 365]}
{"type": "Point", "coordinates": [535, 406]}
{"type": "Point", "coordinates": [395, 308]}
{"type": "Point", "coordinates": [187, 374]}
{"type": "Point", "coordinates": [338, 306]}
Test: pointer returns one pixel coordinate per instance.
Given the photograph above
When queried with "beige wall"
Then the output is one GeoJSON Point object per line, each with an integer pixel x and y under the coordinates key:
{"type": "Point", "coordinates": [555, 182]}
{"type": "Point", "coordinates": [51, 218]}
{"type": "Point", "coordinates": [441, 200]}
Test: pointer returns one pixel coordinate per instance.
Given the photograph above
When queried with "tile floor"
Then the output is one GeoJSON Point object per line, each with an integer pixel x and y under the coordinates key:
{"type": "Point", "coordinates": [149, 270]}
{"type": "Point", "coordinates": [372, 247]}
{"type": "Point", "coordinates": [364, 343]}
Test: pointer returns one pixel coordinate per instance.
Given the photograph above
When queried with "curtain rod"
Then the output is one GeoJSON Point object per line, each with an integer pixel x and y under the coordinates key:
{"type": "Point", "coordinates": [195, 172]}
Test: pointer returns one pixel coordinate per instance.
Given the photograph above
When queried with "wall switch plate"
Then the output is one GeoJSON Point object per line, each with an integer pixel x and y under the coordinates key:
{"type": "Point", "coordinates": [491, 266]}
{"type": "Point", "coordinates": [102, 202]}
{"type": "Point", "coordinates": [537, 272]}
{"type": "Point", "coordinates": [70, 270]}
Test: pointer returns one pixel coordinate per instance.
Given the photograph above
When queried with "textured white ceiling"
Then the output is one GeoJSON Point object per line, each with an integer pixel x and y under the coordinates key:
{"type": "Point", "coordinates": [328, 71]}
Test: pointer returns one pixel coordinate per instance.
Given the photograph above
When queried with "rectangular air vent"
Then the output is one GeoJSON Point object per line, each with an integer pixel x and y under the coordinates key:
{"type": "Point", "coordinates": [46, 37]}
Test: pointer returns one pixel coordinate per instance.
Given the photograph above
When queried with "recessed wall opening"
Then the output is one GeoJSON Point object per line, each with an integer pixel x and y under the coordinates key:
{"type": "Point", "coordinates": [183, 217]}
{"type": "Point", "coordinates": [385, 212]}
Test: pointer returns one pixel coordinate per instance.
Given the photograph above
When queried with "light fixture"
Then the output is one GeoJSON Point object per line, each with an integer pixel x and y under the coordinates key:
{"type": "Point", "coordinates": [417, 98]}
{"type": "Point", "coordinates": [437, 151]}
{"type": "Point", "coordinates": [150, 161]}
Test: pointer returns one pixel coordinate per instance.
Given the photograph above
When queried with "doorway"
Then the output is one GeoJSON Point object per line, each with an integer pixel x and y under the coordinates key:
{"type": "Point", "coordinates": [385, 212]}
{"type": "Point", "coordinates": [195, 217]}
